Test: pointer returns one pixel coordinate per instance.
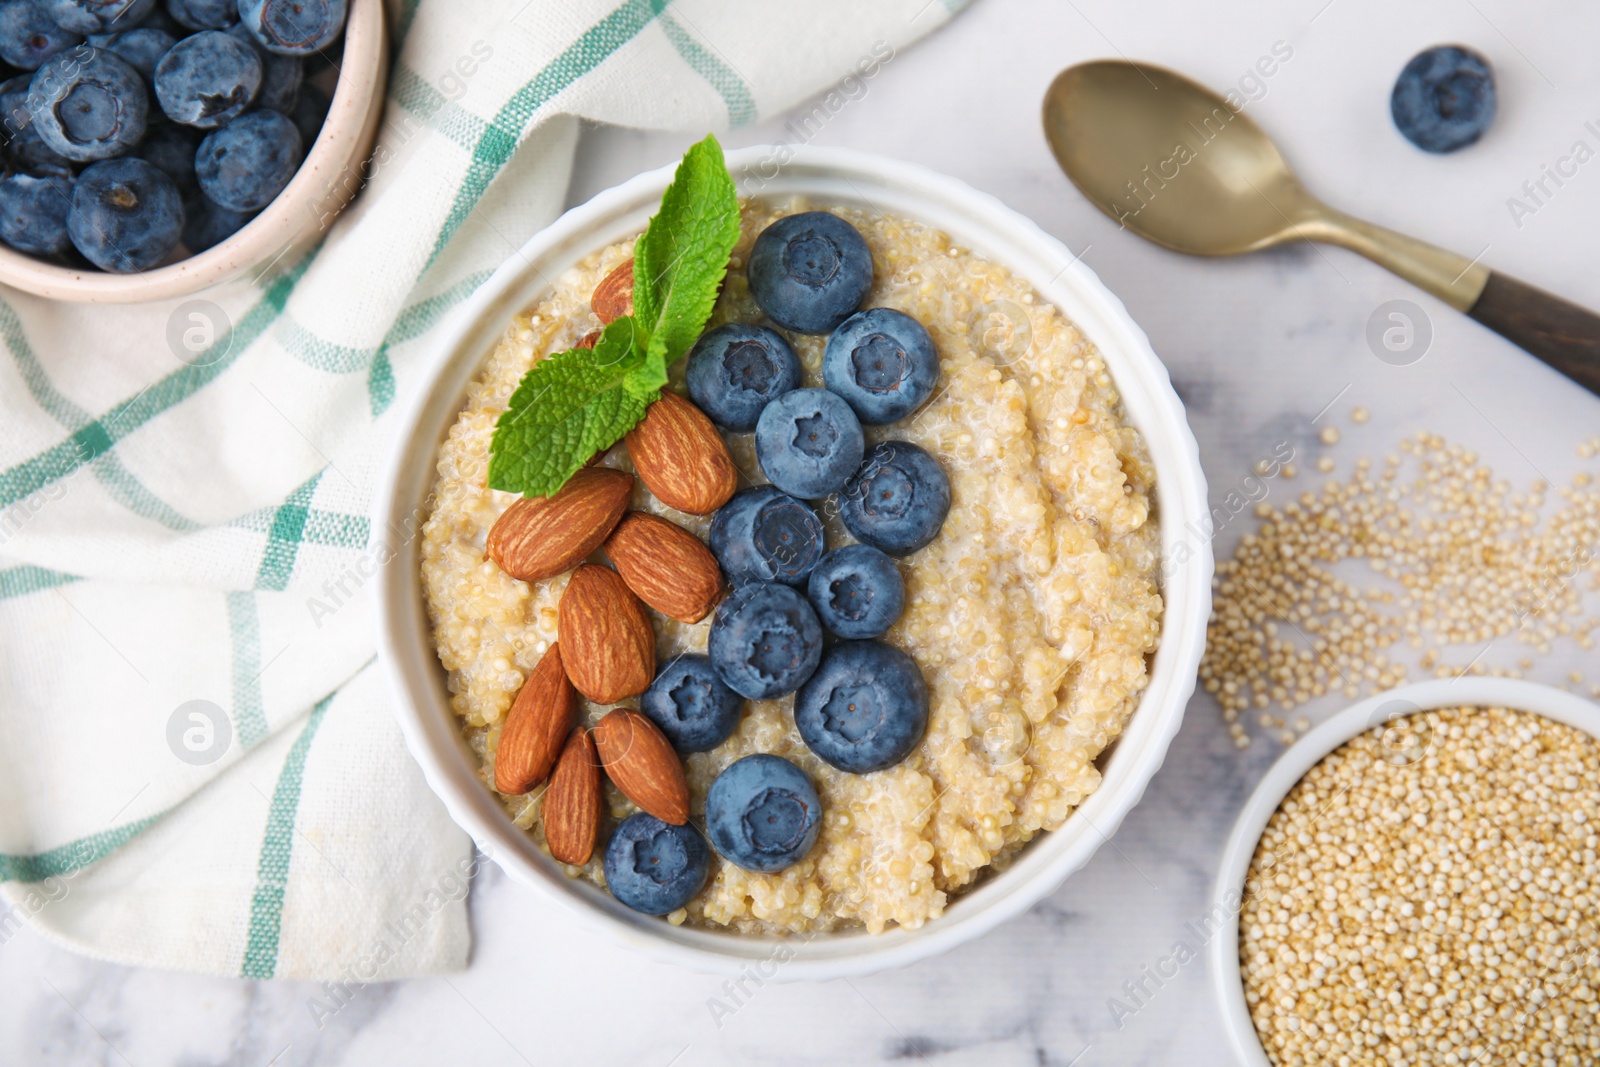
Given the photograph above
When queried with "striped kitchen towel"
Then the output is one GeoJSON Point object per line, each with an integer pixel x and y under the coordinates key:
{"type": "Point", "coordinates": [198, 767]}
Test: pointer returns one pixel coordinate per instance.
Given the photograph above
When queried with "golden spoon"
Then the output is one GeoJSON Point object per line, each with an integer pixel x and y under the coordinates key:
{"type": "Point", "coordinates": [1171, 161]}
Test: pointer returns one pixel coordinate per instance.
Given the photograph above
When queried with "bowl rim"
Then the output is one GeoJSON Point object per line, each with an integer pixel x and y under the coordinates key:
{"type": "Point", "coordinates": [1228, 890]}
{"type": "Point", "coordinates": [976, 220]}
{"type": "Point", "coordinates": [318, 190]}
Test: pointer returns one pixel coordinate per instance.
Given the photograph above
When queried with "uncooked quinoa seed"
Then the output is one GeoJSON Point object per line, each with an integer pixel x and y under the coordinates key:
{"type": "Point", "coordinates": [1458, 560]}
{"type": "Point", "coordinates": [1427, 895]}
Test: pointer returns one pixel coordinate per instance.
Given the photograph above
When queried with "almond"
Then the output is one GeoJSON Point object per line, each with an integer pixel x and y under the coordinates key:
{"type": "Point", "coordinates": [607, 644]}
{"type": "Point", "coordinates": [643, 764]}
{"type": "Point", "coordinates": [572, 803]}
{"type": "Point", "coordinates": [539, 537]}
{"type": "Point", "coordinates": [539, 721]}
{"type": "Point", "coordinates": [666, 566]}
{"type": "Point", "coordinates": [681, 456]}
{"type": "Point", "coordinates": [588, 340]}
{"type": "Point", "coordinates": [613, 297]}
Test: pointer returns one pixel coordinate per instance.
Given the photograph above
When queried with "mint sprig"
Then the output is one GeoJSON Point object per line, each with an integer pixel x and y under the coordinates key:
{"type": "Point", "coordinates": [575, 403]}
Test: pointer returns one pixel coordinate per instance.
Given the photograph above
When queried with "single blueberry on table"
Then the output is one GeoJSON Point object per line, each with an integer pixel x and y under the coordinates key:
{"type": "Point", "coordinates": [1444, 99]}
{"type": "Point", "coordinates": [171, 148]}
{"type": "Point", "coordinates": [694, 708]}
{"type": "Point", "coordinates": [809, 271]}
{"type": "Point", "coordinates": [654, 867]}
{"type": "Point", "coordinates": [763, 814]}
{"type": "Point", "coordinates": [29, 34]}
{"type": "Point", "coordinates": [736, 370]}
{"type": "Point", "coordinates": [280, 75]}
{"type": "Point", "coordinates": [24, 147]}
{"type": "Point", "coordinates": [883, 363]}
{"type": "Point", "coordinates": [765, 640]}
{"type": "Point", "coordinates": [857, 592]}
{"type": "Point", "coordinates": [809, 442]}
{"type": "Point", "coordinates": [126, 215]}
{"type": "Point", "coordinates": [207, 80]}
{"type": "Point", "coordinates": [294, 27]}
{"type": "Point", "coordinates": [244, 165]}
{"type": "Point", "coordinates": [898, 500]}
{"type": "Point", "coordinates": [309, 112]}
{"type": "Point", "coordinates": [33, 214]}
{"type": "Point", "coordinates": [766, 535]}
{"type": "Point", "coordinates": [207, 224]}
{"type": "Point", "coordinates": [204, 14]}
{"type": "Point", "coordinates": [88, 104]}
{"type": "Point", "coordinates": [142, 47]}
{"type": "Point", "coordinates": [864, 709]}
{"type": "Point", "coordinates": [99, 16]}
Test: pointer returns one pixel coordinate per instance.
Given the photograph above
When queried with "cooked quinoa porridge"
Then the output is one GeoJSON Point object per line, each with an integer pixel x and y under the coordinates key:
{"type": "Point", "coordinates": [1032, 615]}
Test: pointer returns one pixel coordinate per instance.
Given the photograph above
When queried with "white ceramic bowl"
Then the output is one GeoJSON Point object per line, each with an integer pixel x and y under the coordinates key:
{"type": "Point", "coordinates": [1306, 753]}
{"type": "Point", "coordinates": [974, 220]}
{"type": "Point", "coordinates": [333, 172]}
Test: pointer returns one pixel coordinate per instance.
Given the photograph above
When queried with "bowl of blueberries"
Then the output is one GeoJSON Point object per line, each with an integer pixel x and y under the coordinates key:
{"type": "Point", "coordinates": [156, 147]}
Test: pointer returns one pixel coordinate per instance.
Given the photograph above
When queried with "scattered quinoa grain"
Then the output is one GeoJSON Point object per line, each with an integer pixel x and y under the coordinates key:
{"type": "Point", "coordinates": [1329, 435]}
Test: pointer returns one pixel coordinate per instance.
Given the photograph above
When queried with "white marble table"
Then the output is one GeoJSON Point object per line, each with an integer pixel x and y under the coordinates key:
{"type": "Point", "coordinates": [1259, 347]}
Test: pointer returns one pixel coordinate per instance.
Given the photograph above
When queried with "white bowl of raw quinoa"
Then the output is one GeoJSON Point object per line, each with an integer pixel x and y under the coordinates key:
{"type": "Point", "coordinates": [1414, 882]}
{"type": "Point", "coordinates": [1058, 618]}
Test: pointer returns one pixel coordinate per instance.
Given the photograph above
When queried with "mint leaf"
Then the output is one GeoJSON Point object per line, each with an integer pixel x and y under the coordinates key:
{"type": "Point", "coordinates": [566, 408]}
{"type": "Point", "coordinates": [679, 262]}
{"type": "Point", "coordinates": [574, 403]}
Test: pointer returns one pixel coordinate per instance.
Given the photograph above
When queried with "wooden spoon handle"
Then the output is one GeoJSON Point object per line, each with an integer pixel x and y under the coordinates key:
{"type": "Point", "coordinates": [1562, 334]}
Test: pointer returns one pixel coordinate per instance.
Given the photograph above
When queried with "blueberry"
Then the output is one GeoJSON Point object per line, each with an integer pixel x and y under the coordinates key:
{"type": "Point", "coordinates": [142, 47]}
{"type": "Point", "coordinates": [865, 708]}
{"type": "Point", "coordinates": [655, 867]}
{"type": "Point", "coordinates": [808, 272]}
{"type": "Point", "coordinates": [88, 104]}
{"type": "Point", "coordinates": [280, 75]}
{"type": "Point", "coordinates": [294, 27]}
{"type": "Point", "coordinates": [23, 143]}
{"type": "Point", "coordinates": [126, 215]}
{"type": "Point", "coordinates": [157, 19]}
{"type": "Point", "coordinates": [207, 80]}
{"type": "Point", "coordinates": [244, 165]}
{"type": "Point", "coordinates": [1444, 98]}
{"type": "Point", "coordinates": [29, 35]}
{"type": "Point", "coordinates": [98, 16]}
{"type": "Point", "coordinates": [693, 707]}
{"type": "Point", "coordinates": [171, 148]}
{"type": "Point", "coordinates": [736, 370]}
{"type": "Point", "coordinates": [857, 591]}
{"type": "Point", "coordinates": [809, 442]}
{"type": "Point", "coordinates": [33, 214]}
{"type": "Point", "coordinates": [207, 224]}
{"type": "Point", "coordinates": [765, 640]}
{"type": "Point", "coordinates": [897, 500]}
{"type": "Point", "coordinates": [310, 111]}
{"type": "Point", "coordinates": [762, 814]}
{"type": "Point", "coordinates": [204, 14]}
{"type": "Point", "coordinates": [766, 535]}
{"type": "Point", "coordinates": [882, 361]}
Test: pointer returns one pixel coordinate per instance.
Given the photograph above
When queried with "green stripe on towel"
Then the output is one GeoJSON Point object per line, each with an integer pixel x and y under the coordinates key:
{"type": "Point", "coordinates": [244, 625]}
{"type": "Point", "coordinates": [19, 581]}
{"type": "Point", "coordinates": [122, 486]}
{"type": "Point", "coordinates": [494, 148]}
{"type": "Point", "coordinates": [285, 536]}
{"type": "Point", "coordinates": [716, 71]}
{"type": "Point", "coordinates": [277, 847]}
{"type": "Point", "coordinates": [96, 439]}
{"type": "Point", "coordinates": [73, 856]}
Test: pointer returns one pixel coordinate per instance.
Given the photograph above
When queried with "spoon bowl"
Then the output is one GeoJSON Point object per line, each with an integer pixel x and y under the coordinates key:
{"type": "Point", "coordinates": [1171, 160]}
